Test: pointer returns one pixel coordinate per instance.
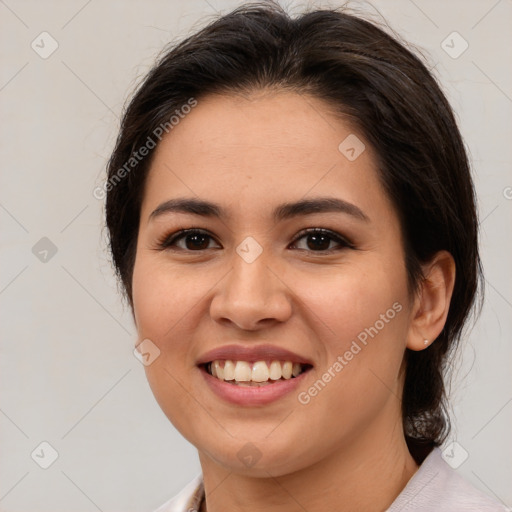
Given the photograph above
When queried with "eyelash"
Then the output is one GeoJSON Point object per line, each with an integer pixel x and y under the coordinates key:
{"type": "Point", "coordinates": [166, 242]}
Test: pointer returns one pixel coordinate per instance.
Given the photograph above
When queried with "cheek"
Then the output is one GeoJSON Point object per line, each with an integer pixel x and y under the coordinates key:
{"type": "Point", "coordinates": [160, 306]}
{"type": "Point", "coordinates": [162, 296]}
{"type": "Point", "coordinates": [161, 301]}
{"type": "Point", "coordinates": [361, 323]}
{"type": "Point", "coordinates": [349, 303]}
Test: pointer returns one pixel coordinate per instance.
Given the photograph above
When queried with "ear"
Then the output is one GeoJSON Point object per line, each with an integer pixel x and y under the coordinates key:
{"type": "Point", "coordinates": [432, 301]}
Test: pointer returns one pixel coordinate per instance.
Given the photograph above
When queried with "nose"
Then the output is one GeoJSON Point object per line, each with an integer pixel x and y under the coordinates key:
{"type": "Point", "coordinates": [251, 296]}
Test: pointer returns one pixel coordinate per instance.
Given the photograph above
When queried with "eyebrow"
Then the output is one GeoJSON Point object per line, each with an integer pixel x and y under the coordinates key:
{"type": "Point", "coordinates": [282, 212]}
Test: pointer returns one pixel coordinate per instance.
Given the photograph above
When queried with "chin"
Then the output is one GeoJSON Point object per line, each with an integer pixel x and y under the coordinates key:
{"type": "Point", "coordinates": [254, 459]}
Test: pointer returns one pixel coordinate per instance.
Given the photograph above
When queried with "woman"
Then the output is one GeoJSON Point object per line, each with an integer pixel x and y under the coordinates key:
{"type": "Point", "coordinates": [292, 217]}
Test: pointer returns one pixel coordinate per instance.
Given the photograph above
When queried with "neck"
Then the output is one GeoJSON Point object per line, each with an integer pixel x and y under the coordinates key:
{"type": "Point", "coordinates": [366, 474]}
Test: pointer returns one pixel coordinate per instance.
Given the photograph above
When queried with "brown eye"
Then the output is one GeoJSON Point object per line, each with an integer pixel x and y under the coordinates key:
{"type": "Point", "coordinates": [319, 240]}
{"type": "Point", "coordinates": [191, 240]}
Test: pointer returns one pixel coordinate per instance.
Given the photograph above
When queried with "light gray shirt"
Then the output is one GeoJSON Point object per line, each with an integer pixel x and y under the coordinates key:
{"type": "Point", "coordinates": [435, 487]}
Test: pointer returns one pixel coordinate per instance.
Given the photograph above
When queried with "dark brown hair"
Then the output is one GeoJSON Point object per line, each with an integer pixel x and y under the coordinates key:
{"type": "Point", "coordinates": [387, 93]}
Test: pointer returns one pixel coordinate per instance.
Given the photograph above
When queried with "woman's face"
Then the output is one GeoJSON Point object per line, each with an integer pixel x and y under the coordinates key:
{"type": "Point", "coordinates": [252, 279]}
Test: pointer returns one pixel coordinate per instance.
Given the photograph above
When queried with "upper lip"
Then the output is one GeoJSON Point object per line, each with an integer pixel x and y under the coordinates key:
{"type": "Point", "coordinates": [252, 353]}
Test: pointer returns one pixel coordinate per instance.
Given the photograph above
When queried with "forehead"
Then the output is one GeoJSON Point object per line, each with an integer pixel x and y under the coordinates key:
{"type": "Point", "coordinates": [279, 122]}
{"type": "Point", "coordinates": [256, 150]}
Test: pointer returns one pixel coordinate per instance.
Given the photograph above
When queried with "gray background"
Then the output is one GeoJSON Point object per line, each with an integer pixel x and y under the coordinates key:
{"type": "Point", "coordinates": [68, 374]}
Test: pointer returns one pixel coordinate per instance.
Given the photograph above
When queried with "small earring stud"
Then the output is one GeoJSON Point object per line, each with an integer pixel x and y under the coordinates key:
{"type": "Point", "coordinates": [426, 342]}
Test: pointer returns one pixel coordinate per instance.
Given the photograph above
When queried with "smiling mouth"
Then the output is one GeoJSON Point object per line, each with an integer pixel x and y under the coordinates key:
{"type": "Point", "coordinates": [257, 373]}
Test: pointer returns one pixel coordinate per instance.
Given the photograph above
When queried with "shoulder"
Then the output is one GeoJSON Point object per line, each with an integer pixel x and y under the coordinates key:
{"type": "Point", "coordinates": [187, 499]}
{"type": "Point", "coordinates": [437, 487]}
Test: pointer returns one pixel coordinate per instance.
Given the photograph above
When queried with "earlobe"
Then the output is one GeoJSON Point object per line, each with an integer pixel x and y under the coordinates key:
{"type": "Point", "coordinates": [432, 301]}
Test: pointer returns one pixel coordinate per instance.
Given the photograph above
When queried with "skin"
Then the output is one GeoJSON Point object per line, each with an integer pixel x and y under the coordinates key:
{"type": "Point", "coordinates": [249, 154]}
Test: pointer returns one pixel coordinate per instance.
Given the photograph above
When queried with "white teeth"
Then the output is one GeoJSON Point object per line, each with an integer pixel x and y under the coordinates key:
{"type": "Point", "coordinates": [275, 370]}
{"type": "Point", "coordinates": [229, 370]}
{"type": "Point", "coordinates": [287, 370]}
{"type": "Point", "coordinates": [243, 372]}
{"type": "Point", "coordinates": [217, 370]}
{"type": "Point", "coordinates": [259, 372]}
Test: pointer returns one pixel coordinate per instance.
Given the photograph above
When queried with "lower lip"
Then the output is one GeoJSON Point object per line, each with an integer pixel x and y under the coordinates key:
{"type": "Point", "coordinates": [252, 395]}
